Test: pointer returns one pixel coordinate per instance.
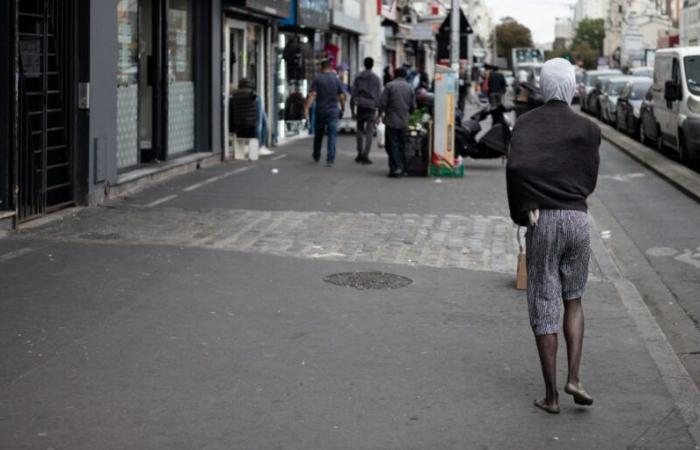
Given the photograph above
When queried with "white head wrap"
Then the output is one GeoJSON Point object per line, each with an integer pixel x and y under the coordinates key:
{"type": "Point", "coordinates": [558, 80]}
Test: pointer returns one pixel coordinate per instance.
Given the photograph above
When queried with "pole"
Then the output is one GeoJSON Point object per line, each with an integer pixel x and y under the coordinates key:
{"type": "Point", "coordinates": [454, 26]}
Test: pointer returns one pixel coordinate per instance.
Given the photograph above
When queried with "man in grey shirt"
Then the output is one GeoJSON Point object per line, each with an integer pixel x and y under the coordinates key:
{"type": "Point", "coordinates": [366, 90]}
{"type": "Point", "coordinates": [395, 105]}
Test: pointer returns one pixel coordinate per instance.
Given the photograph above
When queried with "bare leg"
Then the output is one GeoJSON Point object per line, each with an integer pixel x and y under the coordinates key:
{"type": "Point", "coordinates": [573, 333]}
{"type": "Point", "coordinates": [547, 348]}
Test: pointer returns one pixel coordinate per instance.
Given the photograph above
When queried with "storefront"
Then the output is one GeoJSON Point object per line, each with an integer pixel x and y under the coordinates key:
{"type": "Point", "coordinates": [249, 30]}
{"type": "Point", "coordinates": [301, 42]}
{"type": "Point", "coordinates": [155, 81]}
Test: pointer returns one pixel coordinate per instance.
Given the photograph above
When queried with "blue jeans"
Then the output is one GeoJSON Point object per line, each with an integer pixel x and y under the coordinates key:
{"type": "Point", "coordinates": [325, 123]}
{"type": "Point", "coordinates": [261, 123]}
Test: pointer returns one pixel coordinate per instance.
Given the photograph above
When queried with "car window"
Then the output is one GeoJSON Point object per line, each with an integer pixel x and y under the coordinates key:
{"type": "Point", "coordinates": [639, 90]}
{"type": "Point", "coordinates": [616, 87]}
{"type": "Point", "coordinates": [675, 71]}
{"type": "Point", "coordinates": [692, 73]}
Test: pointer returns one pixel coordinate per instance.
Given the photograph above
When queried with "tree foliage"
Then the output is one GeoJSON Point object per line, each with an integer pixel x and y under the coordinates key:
{"type": "Point", "coordinates": [581, 55]}
{"type": "Point", "coordinates": [592, 33]}
{"type": "Point", "coordinates": [511, 34]}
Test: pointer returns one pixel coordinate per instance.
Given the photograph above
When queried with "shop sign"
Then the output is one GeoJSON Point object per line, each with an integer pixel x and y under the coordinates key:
{"type": "Point", "coordinates": [277, 8]}
{"type": "Point", "coordinates": [314, 14]}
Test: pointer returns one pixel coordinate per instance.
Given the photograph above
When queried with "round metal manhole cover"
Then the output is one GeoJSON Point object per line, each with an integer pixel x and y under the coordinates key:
{"type": "Point", "coordinates": [368, 280]}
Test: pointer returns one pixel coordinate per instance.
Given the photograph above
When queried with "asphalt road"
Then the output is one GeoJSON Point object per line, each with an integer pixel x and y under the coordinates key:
{"type": "Point", "coordinates": [178, 317]}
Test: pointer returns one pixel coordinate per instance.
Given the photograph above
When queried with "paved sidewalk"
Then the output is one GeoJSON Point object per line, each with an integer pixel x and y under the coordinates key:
{"type": "Point", "coordinates": [195, 315]}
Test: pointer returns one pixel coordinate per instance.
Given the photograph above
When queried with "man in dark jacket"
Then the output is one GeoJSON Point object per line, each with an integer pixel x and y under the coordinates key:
{"type": "Point", "coordinates": [243, 111]}
{"type": "Point", "coordinates": [552, 169]}
{"type": "Point", "coordinates": [497, 86]}
{"type": "Point", "coordinates": [396, 104]}
{"type": "Point", "coordinates": [364, 101]}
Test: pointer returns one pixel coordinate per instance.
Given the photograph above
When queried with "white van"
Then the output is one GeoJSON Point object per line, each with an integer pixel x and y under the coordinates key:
{"type": "Point", "coordinates": [676, 99]}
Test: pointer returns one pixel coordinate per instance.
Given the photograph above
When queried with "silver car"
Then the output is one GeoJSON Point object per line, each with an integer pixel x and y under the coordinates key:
{"type": "Point", "coordinates": [608, 100]}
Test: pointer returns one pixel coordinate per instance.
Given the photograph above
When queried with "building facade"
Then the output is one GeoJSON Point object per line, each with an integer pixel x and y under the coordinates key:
{"type": "Point", "coordinates": [590, 9]}
{"type": "Point", "coordinates": [690, 23]}
{"type": "Point", "coordinates": [102, 92]}
{"type": "Point", "coordinates": [632, 27]}
{"type": "Point", "coordinates": [563, 33]}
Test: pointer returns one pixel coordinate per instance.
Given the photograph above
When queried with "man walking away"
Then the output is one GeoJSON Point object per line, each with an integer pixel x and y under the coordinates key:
{"type": "Point", "coordinates": [327, 91]}
{"type": "Point", "coordinates": [497, 86]}
{"type": "Point", "coordinates": [396, 103]}
{"type": "Point", "coordinates": [364, 100]}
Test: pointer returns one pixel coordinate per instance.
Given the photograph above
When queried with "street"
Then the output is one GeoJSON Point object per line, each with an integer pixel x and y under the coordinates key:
{"type": "Point", "coordinates": [194, 314]}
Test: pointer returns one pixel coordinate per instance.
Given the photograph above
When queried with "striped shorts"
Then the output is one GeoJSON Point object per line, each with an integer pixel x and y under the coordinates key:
{"type": "Point", "coordinates": [558, 252]}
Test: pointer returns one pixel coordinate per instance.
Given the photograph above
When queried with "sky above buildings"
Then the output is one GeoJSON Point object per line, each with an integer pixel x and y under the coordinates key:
{"type": "Point", "coordinates": [538, 15]}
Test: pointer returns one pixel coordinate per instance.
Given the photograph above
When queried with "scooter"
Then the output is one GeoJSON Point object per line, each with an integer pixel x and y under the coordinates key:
{"type": "Point", "coordinates": [496, 141]}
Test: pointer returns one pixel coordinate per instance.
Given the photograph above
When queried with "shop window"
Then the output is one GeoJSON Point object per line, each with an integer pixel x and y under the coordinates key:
{"type": "Point", "coordinates": [127, 83]}
{"type": "Point", "coordinates": [181, 83]}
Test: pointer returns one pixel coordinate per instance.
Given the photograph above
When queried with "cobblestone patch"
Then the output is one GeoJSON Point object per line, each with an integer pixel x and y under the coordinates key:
{"type": "Point", "coordinates": [475, 242]}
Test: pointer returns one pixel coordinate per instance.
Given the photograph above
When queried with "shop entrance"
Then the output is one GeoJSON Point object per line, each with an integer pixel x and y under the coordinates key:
{"type": "Point", "coordinates": [155, 84]}
{"type": "Point", "coordinates": [45, 169]}
{"type": "Point", "coordinates": [243, 49]}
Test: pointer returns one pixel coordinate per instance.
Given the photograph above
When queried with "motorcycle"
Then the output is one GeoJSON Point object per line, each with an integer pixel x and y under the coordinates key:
{"type": "Point", "coordinates": [493, 144]}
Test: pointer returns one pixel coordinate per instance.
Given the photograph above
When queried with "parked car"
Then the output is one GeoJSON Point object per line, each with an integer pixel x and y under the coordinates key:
{"type": "Point", "coordinates": [629, 103]}
{"type": "Point", "coordinates": [648, 128]}
{"type": "Point", "coordinates": [647, 72]}
{"type": "Point", "coordinates": [588, 83]}
{"type": "Point", "coordinates": [677, 100]}
{"type": "Point", "coordinates": [608, 100]}
{"type": "Point", "coordinates": [593, 99]}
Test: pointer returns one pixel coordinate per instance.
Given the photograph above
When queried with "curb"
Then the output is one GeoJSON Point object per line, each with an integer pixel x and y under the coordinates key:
{"type": "Point", "coordinates": [681, 177]}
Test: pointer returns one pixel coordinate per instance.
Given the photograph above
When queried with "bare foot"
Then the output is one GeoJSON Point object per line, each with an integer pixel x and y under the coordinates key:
{"type": "Point", "coordinates": [552, 408]}
{"type": "Point", "coordinates": [581, 397]}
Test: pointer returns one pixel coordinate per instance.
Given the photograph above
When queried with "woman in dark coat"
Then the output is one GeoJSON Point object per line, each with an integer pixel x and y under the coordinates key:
{"type": "Point", "coordinates": [552, 169]}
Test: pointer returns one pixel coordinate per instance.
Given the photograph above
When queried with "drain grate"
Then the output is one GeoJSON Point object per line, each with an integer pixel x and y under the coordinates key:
{"type": "Point", "coordinates": [368, 280]}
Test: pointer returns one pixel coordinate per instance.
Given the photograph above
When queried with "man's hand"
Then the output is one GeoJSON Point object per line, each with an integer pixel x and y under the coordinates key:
{"type": "Point", "coordinates": [306, 114]}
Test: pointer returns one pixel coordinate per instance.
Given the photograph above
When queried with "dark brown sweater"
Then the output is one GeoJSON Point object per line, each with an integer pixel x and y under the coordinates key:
{"type": "Point", "coordinates": [553, 161]}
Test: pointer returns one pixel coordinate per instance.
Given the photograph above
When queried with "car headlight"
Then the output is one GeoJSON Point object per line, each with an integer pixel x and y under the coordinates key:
{"type": "Point", "coordinates": [637, 113]}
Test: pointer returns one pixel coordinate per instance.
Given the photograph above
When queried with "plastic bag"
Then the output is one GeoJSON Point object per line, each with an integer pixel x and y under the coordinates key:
{"type": "Point", "coordinates": [381, 134]}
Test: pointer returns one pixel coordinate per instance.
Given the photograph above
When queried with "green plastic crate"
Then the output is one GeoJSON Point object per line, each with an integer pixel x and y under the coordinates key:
{"type": "Point", "coordinates": [447, 172]}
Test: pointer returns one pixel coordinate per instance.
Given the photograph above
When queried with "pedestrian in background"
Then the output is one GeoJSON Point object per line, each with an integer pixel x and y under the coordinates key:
{"type": "Point", "coordinates": [364, 101]}
{"type": "Point", "coordinates": [396, 104]}
{"type": "Point", "coordinates": [497, 86]}
{"type": "Point", "coordinates": [552, 169]}
{"type": "Point", "coordinates": [388, 76]}
{"type": "Point", "coordinates": [327, 92]}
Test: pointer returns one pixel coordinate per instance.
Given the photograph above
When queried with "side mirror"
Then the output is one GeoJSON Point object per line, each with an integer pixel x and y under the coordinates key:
{"type": "Point", "coordinates": [673, 91]}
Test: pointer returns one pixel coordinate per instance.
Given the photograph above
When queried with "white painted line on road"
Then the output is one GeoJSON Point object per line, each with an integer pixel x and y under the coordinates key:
{"type": "Point", "coordinates": [161, 201]}
{"type": "Point", "coordinates": [278, 157]}
{"type": "Point", "coordinates": [15, 254]}
{"type": "Point", "coordinates": [678, 381]}
{"type": "Point", "coordinates": [217, 178]}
